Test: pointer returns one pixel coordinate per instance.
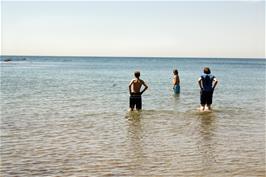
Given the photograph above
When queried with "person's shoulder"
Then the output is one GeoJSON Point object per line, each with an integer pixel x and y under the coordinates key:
{"type": "Point", "coordinates": [132, 81]}
{"type": "Point", "coordinates": [142, 81]}
{"type": "Point", "coordinates": [200, 78]}
{"type": "Point", "coordinates": [212, 76]}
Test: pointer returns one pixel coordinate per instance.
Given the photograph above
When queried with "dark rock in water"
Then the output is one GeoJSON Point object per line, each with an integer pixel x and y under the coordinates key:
{"type": "Point", "coordinates": [7, 60]}
{"type": "Point", "coordinates": [23, 59]}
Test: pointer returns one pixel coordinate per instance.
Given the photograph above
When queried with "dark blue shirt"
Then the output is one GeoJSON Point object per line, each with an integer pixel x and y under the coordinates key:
{"type": "Point", "coordinates": [207, 80]}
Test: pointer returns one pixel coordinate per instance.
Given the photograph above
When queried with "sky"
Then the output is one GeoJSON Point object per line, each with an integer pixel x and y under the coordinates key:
{"type": "Point", "coordinates": [137, 28]}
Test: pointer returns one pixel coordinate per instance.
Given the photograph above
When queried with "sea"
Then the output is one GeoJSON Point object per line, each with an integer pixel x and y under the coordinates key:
{"type": "Point", "coordinates": [68, 116]}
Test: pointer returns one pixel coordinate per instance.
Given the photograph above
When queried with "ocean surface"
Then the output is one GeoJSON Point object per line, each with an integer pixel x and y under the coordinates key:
{"type": "Point", "coordinates": [68, 116]}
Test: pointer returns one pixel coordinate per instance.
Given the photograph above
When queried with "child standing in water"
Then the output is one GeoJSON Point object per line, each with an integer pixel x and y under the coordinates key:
{"type": "Point", "coordinates": [207, 84]}
{"type": "Point", "coordinates": [135, 93]}
{"type": "Point", "coordinates": [176, 82]}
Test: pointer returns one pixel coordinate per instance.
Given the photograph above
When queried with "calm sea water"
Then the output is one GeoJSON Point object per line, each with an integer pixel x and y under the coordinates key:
{"type": "Point", "coordinates": [67, 116]}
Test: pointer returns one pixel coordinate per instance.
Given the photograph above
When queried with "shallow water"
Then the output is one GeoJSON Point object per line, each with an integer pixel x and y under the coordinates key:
{"type": "Point", "coordinates": [65, 116]}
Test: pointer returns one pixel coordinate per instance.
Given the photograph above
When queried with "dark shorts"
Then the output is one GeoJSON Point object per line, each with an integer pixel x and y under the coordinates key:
{"type": "Point", "coordinates": [135, 99]}
{"type": "Point", "coordinates": [206, 97]}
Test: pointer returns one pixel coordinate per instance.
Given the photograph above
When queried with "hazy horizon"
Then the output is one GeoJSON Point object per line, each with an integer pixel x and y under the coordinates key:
{"type": "Point", "coordinates": [98, 56]}
{"type": "Point", "coordinates": [134, 29]}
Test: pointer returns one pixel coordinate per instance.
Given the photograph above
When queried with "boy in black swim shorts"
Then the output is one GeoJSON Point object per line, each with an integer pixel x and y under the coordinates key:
{"type": "Point", "coordinates": [135, 93]}
{"type": "Point", "coordinates": [207, 84]}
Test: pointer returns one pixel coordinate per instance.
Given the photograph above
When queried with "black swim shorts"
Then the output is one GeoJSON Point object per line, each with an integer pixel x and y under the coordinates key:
{"type": "Point", "coordinates": [206, 97]}
{"type": "Point", "coordinates": [135, 99]}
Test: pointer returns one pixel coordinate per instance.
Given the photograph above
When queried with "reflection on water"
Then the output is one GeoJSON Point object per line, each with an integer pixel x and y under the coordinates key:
{"type": "Point", "coordinates": [206, 146]}
{"type": "Point", "coordinates": [134, 115]}
{"type": "Point", "coordinates": [176, 99]}
{"type": "Point", "coordinates": [135, 136]}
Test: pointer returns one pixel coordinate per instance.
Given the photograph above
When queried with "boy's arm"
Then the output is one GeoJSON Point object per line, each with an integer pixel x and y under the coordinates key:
{"type": "Point", "coordinates": [129, 87]}
{"type": "Point", "coordinates": [145, 87]}
{"type": "Point", "coordinates": [215, 83]}
{"type": "Point", "coordinates": [178, 80]}
{"type": "Point", "coordinates": [200, 83]}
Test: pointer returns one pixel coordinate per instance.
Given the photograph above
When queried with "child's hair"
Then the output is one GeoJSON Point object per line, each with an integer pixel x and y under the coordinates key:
{"type": "Point", "coordinates": [137, 74]}
{"type": "Point", "coordinates": [175, 71]}
{"type": "Point", "coordinates": [207, 70]}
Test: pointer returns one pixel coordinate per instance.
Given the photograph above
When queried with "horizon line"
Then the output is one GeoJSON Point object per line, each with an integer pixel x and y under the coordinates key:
{"type": "Point", "coordinates": [112, 56]}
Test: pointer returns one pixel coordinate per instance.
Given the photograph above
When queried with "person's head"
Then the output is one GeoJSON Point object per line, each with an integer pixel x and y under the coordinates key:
{"type": "Point", "coordinates": [175, 72]}
{"type": "Point", "coordinates": [207, 70]}
{"type": "Point", "coordinates": [137, 74]}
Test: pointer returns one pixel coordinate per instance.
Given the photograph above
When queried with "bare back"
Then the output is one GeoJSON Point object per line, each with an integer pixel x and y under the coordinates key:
{"type": "Point", "coordinates": [136, 85]}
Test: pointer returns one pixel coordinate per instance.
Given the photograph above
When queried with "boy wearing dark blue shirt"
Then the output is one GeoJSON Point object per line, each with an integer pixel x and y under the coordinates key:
{"type": "Point", "coordinates": [207, 84]}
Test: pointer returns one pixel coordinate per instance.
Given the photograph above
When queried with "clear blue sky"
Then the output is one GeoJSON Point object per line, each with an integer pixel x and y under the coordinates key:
{"type": "Point", "coordinates": [170, 29]}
